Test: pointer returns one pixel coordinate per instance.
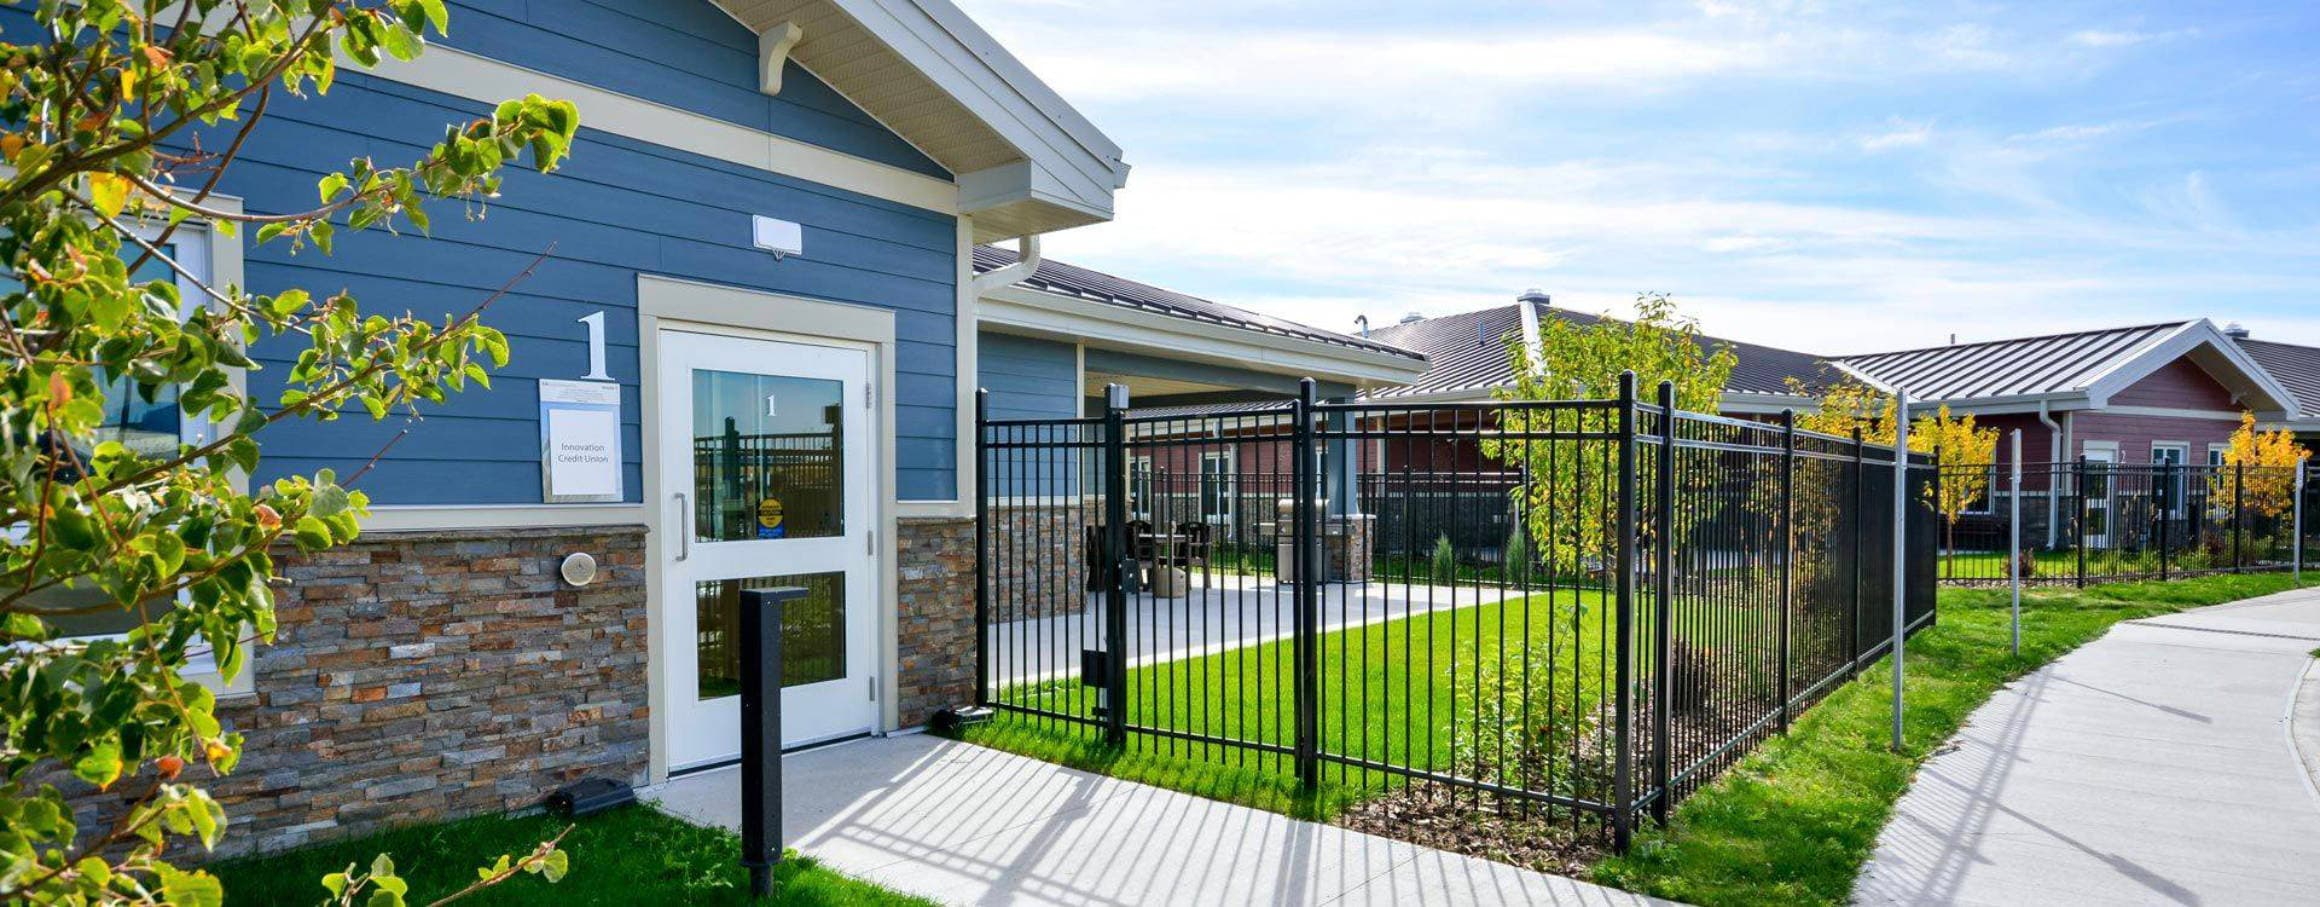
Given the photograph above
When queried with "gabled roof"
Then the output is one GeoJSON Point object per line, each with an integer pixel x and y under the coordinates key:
{"type": "Point", "coordinates": [2297, 368]}
{"type": "Point", "coordinates": [2021, 366]}
{"type": "Point", "coordinates": [1025, 161]}
{"type": "Point", "coordinates": [1467, 352]}
{"type": "Point", "coordinates": [1082, 283]}
{"type": "Point", "coordinates": [2078, 368]}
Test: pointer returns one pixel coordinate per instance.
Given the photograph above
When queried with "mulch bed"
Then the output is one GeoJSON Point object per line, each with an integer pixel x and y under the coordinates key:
{"type": "Point", "coordinates": [1462, 821]}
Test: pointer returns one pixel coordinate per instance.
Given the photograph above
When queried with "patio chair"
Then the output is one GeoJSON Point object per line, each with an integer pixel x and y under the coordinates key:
{"type": "Point", "coordinates": [1192, 543]}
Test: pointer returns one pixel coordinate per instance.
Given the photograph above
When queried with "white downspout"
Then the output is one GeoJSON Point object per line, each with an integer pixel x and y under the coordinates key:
{"type": "Point", "coordinates": [1026, 263]}
{"type": "Point", "coordinates": [2054, 456]}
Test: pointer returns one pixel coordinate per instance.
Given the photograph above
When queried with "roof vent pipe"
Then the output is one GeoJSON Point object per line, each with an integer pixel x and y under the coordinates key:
{"type": "Point", "coordinates": [1413, 318]}
{"type": "Point", "coordinates": [1535, 296]}
{"type": "Point", "coordinates": [1362, 321]}
{"type": "Point", "coordinates": [2235, 331]}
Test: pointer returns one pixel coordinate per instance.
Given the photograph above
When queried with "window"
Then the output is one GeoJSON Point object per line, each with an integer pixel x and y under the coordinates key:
{"type": "Point", "coordinates": [152, 428]}
{"type": "Point", "coordinates": [1217, 486]}
{"type": "Point", "coordinates": [1140, 487]}
{"type": "Point", "coordinates": [2167, 460]}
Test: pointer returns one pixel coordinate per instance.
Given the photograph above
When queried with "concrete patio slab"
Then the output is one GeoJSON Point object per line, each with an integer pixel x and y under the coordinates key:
{"type": "Point", "coordinates": [2156, 765]}
{"type": "Point", "coordinates": [967, 825]}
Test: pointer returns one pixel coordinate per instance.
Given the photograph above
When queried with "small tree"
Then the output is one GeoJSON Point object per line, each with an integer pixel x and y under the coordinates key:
{"type": "Point", "coordinates": [1570, 508]}
{"type": "Point", "coordinates": [1974, 451]}
{"type": "Point", "coordinates": [103, 114]}
{"type": "Point", "coordinates": [2259, 469]}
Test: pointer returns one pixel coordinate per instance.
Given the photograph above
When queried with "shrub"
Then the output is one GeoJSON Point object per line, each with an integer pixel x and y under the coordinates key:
{"type": "Point", "coordinates": [1445, 563]}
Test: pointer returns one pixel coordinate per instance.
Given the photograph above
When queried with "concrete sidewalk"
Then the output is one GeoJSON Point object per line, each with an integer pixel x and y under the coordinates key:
{"type": "Point", "coordinates": [968, 825]}
{"type": "Point", "coordinates": [2157, 765]}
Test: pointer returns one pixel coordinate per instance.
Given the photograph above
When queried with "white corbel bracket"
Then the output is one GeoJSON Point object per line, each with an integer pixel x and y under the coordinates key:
{"type": "Point", "coordinates": [773, 46]}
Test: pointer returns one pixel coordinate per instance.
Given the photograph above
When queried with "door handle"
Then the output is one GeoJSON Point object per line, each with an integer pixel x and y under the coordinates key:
{"type": "Point", "coordinates": [684, 529]}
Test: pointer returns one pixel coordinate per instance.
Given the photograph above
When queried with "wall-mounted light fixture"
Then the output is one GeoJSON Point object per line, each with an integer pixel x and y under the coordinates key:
{"type": "Point", "coordinates": [780, 237]}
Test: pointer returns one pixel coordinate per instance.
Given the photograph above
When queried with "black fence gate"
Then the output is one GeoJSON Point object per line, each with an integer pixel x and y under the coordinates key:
{"type": "Point", "coordinates": [1578, 609]}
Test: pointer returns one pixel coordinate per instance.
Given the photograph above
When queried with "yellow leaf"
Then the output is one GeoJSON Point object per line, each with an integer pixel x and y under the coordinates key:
{"type": "Point", "coordinates": [109, 192]}
{"type": "Point", "coordinates": [11, 145]}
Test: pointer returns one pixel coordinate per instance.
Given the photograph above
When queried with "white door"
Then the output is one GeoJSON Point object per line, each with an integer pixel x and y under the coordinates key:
{"type": "Point", "coordinates": [767, 470]}
{"type": "Point", "coordinates": [2096, 497]}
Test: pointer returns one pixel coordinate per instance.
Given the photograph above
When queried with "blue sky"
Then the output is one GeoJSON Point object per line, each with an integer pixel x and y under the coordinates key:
{"type": "Point", "coordinates": [1833, 177]}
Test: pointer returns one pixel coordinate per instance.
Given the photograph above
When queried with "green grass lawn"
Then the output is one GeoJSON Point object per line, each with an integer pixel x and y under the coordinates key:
{"type": "Point", "coordinates": [1793, 822]}
{"type": "Point", "coordinates": [634, 855]}
{"type": "Point", "coordinates": [1388, 688]}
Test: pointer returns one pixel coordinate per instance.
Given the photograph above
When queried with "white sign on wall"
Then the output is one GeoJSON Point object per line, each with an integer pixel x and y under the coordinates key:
{"type": "Point", "coordinates": [580, 441]}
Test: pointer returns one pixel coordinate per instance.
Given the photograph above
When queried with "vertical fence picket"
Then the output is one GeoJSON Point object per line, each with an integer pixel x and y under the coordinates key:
{"type": "Point", "coordinates": [1122, 565]}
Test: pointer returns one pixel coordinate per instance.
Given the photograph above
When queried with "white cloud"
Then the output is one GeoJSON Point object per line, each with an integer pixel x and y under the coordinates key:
{"type": "Point", "coordinates": [2099, 37]}
{"type": "Point", "coordinates": [1899, 133]}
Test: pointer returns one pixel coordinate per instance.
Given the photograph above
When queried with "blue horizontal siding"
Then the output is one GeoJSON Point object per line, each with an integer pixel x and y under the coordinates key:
{"type": "Point", "coordinates": [683, 53]}
{"type": "Point", "coordinates": [1029, 379]}
{"type": "Point", "coordinates": [620, 208]}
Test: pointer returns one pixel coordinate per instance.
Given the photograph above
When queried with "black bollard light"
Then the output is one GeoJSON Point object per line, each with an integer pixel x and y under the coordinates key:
{"type": "Point", "coordinates": [761, 732]}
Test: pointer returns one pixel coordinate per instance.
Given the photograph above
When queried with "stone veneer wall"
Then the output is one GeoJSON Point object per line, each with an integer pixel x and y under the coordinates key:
{"type": "Point", "coordinates": [1039, 567]}
{"type": "Point", "coordinates": [935, 618]}
{"type": "Point", "coordinates": [426, 676]}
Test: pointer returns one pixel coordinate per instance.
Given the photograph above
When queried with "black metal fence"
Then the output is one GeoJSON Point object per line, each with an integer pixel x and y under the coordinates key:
{"type": "Point", "coordinates": [2089, 520]}
{"type": "Point", "coordinates": [1658, 592]}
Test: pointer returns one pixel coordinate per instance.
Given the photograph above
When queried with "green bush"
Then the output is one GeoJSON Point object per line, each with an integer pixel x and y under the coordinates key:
{"type": "Point", "coordinates": [1445, 561]}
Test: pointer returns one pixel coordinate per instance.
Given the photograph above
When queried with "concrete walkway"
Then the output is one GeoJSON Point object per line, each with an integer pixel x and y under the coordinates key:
{"type": "Point", "coordinates": [2164, 763]}
{"type": "Point", "coordinates": [968, 825]}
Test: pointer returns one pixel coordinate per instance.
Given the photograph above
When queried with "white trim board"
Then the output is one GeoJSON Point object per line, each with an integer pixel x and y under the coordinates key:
{"type": "Point", "coordinates": [1021, 310]}
{"type": "Point", "coordinates": [480, 78]}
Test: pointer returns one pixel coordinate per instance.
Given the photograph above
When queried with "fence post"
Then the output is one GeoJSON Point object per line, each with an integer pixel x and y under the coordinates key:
{"type": "Point", "coordinates": [2296, 529]}
{"type": "Point", "coordinates": [1123, 560]}
{"type": "Point", "coordinates": [1623, 773]}
{"type": "Point", "coordinates": [1860, 516]}
{"type": "Point", "coordinates": [2078, 520]}
{"type": "Point", "coordinates": [2014, 537]}
{"type": "Point", "coordinates": [983, 548]}
{"type": "Point", "coordinates": [1304, 571]}
{"type": "Point", "coordinates": [1787, 554]}
{"type": "Point", "coordinates": [2238, 512]}
{"type": "Point", "coordinates": [1900, 549]}
{"type": "Point", "coordinates": [1663, 610]}
{"type": "Point", "coordinates": [2169, 502]}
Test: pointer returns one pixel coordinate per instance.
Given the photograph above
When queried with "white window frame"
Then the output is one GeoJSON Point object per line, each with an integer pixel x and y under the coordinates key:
{"type": "Point", "coordinates": [1140, 487]}
{"type": "Point", "coordinates": [1230, 480]}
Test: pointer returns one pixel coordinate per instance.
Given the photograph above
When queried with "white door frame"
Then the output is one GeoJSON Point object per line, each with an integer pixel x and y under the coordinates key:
{"type": "Point", "coordinates": [2106, 453]}
{"type": "Point", "coordinates": [712, 308]}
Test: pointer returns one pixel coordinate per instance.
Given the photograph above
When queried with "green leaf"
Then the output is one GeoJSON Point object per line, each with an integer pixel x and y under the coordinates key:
{"type": "Point", "coordinates": [101, 765]}
{"type": "Point", "coordinates": [191, 889]}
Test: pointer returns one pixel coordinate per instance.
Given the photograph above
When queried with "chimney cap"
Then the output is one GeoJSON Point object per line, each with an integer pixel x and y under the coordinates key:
{"type": "Point", "coordinates": [1412, 318]}
{"type": "Point", "coordinates": [2236, 331]}
{"type": "Point", "coordinates": [1536, 295]}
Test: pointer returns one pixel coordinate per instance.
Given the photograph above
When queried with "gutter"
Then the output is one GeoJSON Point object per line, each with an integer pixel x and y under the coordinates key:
{"type": "Point", "coordinates": [1026, 264]}
{"type": "Point", "coordinates": [2054, 455]}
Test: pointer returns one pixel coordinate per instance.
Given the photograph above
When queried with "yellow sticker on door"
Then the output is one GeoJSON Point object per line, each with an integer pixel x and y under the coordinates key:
{"type": "Point", "coordinates": [769, 519]}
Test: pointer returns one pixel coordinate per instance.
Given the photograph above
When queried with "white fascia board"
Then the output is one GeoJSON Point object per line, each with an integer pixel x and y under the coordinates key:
{"type": "Point", "coordinates": [1862, 376]}
{"type": "Point", "coordinates": [1729, 402]}
{"type": "Point", "coordinates": [2192, 339]}
{"type": "Point", "coordinates": [1018, 309]}
{"type": "Point", "coordinates": [964, 62]}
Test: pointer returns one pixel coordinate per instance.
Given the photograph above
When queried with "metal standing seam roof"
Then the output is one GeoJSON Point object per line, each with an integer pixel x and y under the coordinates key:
{"type": "Point", "coordinates": [2018, 367]}
{"type": "Point", "coordinates": [1468, 353]}
{"type": "Point", "coordinates": [1082, 283]}
{"type": "Point", "coordinates": [2297, 368]}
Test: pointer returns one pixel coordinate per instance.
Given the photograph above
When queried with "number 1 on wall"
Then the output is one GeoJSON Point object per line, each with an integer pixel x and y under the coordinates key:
{"type": "Point", "coordinates": [595, 323]}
